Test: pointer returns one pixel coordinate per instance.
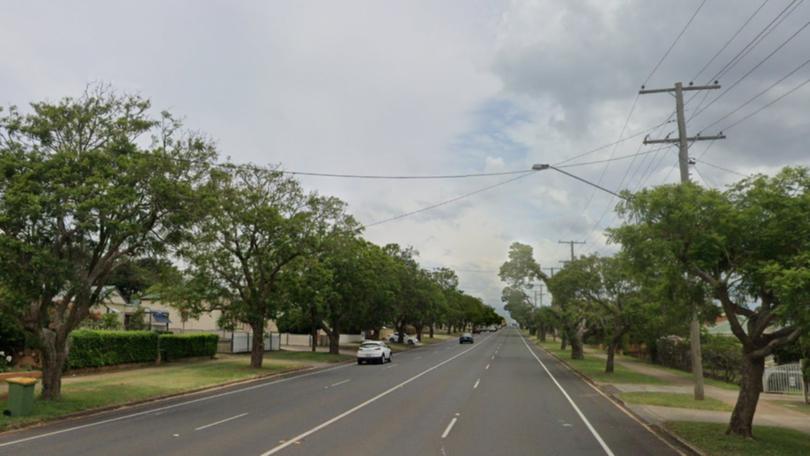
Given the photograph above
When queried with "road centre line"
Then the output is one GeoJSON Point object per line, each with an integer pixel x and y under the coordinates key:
{"type": "Point", "coordinates": [341, 382]}
{"type": "Point", "coordinates": [357, 407]}
{"type": "Point", "coordinates": [449, 427]}
{"type": "Point", "coordinates": [389, 366]}
{"type": "Point", "coordinates": [219, 422]}
{"type": "Point", "coordinates": [476, 383]}
{"type": "Point", "coordinates": [571, 401]}
{"type": "Point", "coordinates": [487, 368]}
{"type": "Point", "coordinates": [167, 407]}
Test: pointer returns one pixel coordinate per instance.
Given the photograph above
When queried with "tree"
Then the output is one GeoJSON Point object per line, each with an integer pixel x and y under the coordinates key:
{"type": "Point", "coordinates": [259, 221]}
{"type": "Point", "coordinates": [749, 245]}
{"type": "Point", "coordinates": [79, 194]}
{"type": "Point", "coordinates": [135, 276]}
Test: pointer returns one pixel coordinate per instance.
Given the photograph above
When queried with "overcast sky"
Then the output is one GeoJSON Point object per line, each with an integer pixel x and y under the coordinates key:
{"type": "Point", "coordinates": [438, 87]}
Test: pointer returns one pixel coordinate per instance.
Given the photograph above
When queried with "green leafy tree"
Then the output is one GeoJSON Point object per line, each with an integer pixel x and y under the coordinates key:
{"type": "Point", "coordinates": [79, 194]}
{"type": "Point", "coordinates": [259, 222]}
{"type": "Point", "coordinates": [749, 246]}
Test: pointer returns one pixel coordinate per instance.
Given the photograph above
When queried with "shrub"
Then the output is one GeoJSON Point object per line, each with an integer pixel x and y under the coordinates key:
{"type": "Point", "coordinates": [722, 356]}
{"type": "Point", "coordinates": [96, 348]}
{"type": "Point", "coordinates": [12, 338]}
{"type": "Point", "coordinates": [176, 346]}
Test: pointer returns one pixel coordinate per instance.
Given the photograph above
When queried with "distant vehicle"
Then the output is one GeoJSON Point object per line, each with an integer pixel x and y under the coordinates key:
{"type": "Point", "coordinates": [465, 338]}
{"type": "Point", "coordinates": [408, 339]}
{"type": "Point", "coordinates": [373, 351]}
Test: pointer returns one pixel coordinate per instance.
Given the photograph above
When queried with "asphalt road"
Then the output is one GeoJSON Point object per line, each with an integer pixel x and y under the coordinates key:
{"type": "Point", "coordinates": [499, 396]}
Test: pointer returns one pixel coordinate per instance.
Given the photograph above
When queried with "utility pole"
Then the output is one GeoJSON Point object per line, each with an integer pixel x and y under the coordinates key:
{"type": "Point", "coordinates": [683, 161]}
{"type": "Point", "coordinates": [551, 270]}
{"type": "Point", "coordinates": [572, 246]}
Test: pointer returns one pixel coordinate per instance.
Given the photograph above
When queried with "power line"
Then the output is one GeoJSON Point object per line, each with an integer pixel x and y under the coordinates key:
{"type": "Point", "coordinates": [605, 146]}
{"type": "Point", "coordinates": [674, 42]}
{"type": "Point", "coordinates": [621, 157]}
{"type": "Point", "coordinates": [451, 200]}
{"type": "Point", "coordinates": [731, 171]}
{"type": "Point", "coordinates": [735, 83]}
{"type": "Point", "coordinates": [733, 37]}
{"type": "Point", "coordinates": [738, 108]}
{"type": "Point", "coordinates": [776, 100]}
{"type": "Point", "coordinates": [403, 177]}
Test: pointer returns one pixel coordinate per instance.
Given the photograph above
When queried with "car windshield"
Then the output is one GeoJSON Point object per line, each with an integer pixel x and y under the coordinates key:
{"type": "Point", "coordinates": [466, 335]}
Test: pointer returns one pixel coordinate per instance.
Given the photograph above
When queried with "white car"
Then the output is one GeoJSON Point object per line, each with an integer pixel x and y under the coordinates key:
{"type": "Point", "coordinates": [373, 351]}
{"type": "Point", "coordinates": [408, 339]}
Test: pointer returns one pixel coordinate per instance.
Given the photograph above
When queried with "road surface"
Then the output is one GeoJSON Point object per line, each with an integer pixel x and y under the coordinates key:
{"type": "Point", "coordinates": [499, 396]}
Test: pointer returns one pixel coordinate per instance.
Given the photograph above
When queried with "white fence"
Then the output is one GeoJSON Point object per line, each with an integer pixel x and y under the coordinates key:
{"type": "Point", "coordinates": [242, 342]}
{"type": "Point", "coordinates": [786, 378]}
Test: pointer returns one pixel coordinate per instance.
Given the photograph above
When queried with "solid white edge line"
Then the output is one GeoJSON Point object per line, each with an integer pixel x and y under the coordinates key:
{"type": "Point", "coordinates": [570, 401]}
{"type": "Point", "coordinates": [220, 422]}
{"type": "Point", "coordinates": [449, 427]}
{"type": "Point", "coordinates": [179, 404]}
{"type": "Point", "coordinates": [357, 407]}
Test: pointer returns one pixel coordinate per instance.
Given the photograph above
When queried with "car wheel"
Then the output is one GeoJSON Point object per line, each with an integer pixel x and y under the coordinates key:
{"type": "Point", "coordinates": [389, 357]}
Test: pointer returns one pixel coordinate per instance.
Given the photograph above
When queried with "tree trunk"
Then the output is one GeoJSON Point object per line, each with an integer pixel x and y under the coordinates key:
{"type": "Point", "coordinates": [431, 330]}
{"type": "Point", "coordinates": [54, 354]}
{"type": "Point", "coordinates": [563, 339]}
{"type": "Point", "coordinates": [334, 341]}
{"type": "Point", "coordinates": [742, 418]}
{"type": "Point", "coordinates": [577, 351]}
{"type": "Point", "coordinates": [542, 334]}
{"type": "Point", "coordinates": [696, 354]}
{"type": "Point", "coordinates": [611, 350]}
{"type": "Point", "coordinates": [314, 341]}
{"type": "Point", "coordinates": [401, 333]}
{"type": "Point", "coordinates": [257, 350]}
{"type": "Point", "coordinates": [419, 333]}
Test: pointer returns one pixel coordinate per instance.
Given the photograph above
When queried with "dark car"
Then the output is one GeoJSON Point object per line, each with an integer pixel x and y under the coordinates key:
{"type": "Point", "coordinates": [466, 337]}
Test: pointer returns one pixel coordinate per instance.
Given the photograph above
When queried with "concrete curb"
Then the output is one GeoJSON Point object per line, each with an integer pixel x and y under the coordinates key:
{"type": "Point", "coordinates": [661, 431]}
{"type": "Point", "coordinates": [206, 389]}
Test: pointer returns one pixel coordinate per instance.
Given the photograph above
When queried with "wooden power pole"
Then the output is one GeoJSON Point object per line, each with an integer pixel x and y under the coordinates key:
{"type": "Point", "coordinates": [683, 160]}
{"type": "Point", "coordinates": [572, 246]}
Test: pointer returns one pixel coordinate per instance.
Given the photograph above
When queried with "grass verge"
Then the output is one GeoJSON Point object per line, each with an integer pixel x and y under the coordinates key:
{"type": "Point", "coordinates": [306, 356]}
{"type": "Point", "coordinates": [767, 441]}
{"type": "Point", "coordinates": [82, 393]}
{"type": "Point", "coordinates": [595, 368]}
{"type": "Point", "coordinates": [680, 400]}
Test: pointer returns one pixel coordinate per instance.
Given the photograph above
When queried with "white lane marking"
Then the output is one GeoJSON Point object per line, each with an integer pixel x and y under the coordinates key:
{"type": "Point", "coordinates": [476, 383]}
{"type": "Point", "coordinates": [418, 357]}
{"type": "Point", "coordinates": [340, 382]}
{"type": "Point", "coordinates": [493, 357]}
{"type": "Point", "coordinates": [159, 409]}
{"type": "Point", "coordinates": [219, 422]}
{"type": "Point", "coordinates": [486, 368]}
{"type": "Point", "coordinates": [389, 366]}
{"type": "Point", "coordinates": [357, 407]}
{"type": "Point", "coordinates": [449, 427]}
{"type": "Point", "coordinates": [570, 401]}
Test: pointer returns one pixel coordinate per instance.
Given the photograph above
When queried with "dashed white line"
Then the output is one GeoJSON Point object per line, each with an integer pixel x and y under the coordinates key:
{"type": "Point", "coordinates": [340, 382]}
{"type": "Point", "coordinates": [389, 366]}
{"type": "Point", "coordinates": [219, 422]}
{"type": "Point", "coordinates": [359, 406]}
{"type": "Point", "coordinates": [493, 357]}
{"type": "Point", "coordinates": [487, 368]}
{"type": "Point", "coordinates": [449, 427]}
{"type": "Point", "coordinates": [476, 383]}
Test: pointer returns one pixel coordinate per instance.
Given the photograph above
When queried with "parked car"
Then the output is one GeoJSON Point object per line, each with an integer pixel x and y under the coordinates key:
{"type": "Point", "coordinates": [373, 351]}
{"type": "Point", "coordinates": [465, 338]}
{"type": "Point", "coordinates": [408, 339]}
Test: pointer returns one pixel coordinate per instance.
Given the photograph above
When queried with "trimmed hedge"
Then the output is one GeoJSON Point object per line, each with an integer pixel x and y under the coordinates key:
{"type": "Point", "coordinates": [97, 348]}
{"type": "Point", "coordinates": [176, 346]}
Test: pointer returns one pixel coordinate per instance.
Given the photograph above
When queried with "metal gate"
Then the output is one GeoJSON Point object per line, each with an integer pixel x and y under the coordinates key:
{"type": "Point", "coordinates": [786, 378]}
{"type": "Point", "coordinates": [242, 342]}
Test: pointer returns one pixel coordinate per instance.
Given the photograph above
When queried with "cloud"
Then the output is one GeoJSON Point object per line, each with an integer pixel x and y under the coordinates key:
{"type": "Point", "coordinates": [428, 87]}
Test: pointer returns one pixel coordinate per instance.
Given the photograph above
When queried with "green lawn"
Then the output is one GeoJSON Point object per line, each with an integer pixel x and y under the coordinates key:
{"type": "Point", "coordinates": [595, 367]}
{"type": "Point", "coordinates": [680, 400]}
{"type": "Point", "coordinates": [768, 441]}
{"type": "Point", "coordinates": [307, 356]}
{"type": "Point", "coordinates": [116, 388]}
{"type": "Point", "coordinates": [687, 375]}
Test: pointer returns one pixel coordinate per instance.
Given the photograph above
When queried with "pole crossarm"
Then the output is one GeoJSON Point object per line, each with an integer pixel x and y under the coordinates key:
{"type": "Point", "coordinates": [644, 91]}
{"type": "Point", "coordinates": [678, 140]}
